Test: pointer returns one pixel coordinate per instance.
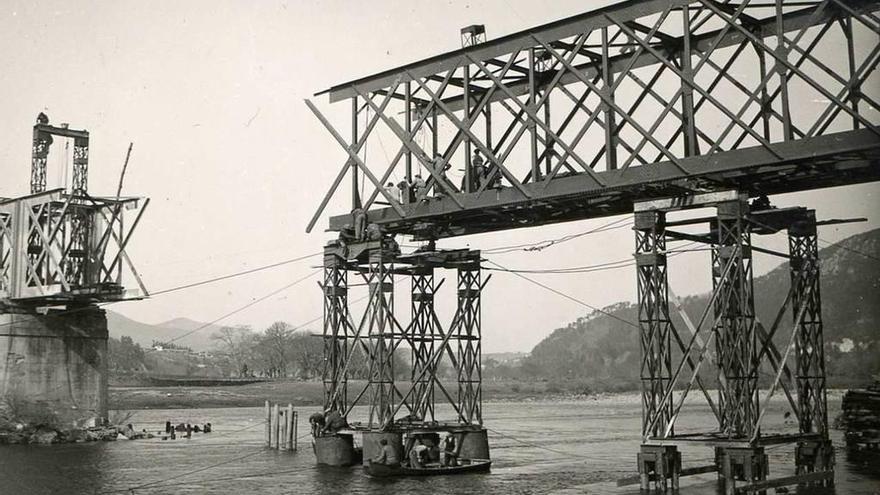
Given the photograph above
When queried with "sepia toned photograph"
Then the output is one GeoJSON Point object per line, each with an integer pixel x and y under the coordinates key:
{"type": "Point", "coordinates": [507, 247]}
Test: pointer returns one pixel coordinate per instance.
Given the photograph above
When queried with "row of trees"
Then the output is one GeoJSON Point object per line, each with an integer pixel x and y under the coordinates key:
{"type": "Point", "coordinates": [279, 351]}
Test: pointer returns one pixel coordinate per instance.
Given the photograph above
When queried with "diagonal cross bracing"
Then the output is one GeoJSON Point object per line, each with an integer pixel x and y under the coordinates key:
{"type": "Point", "coordinates": [611, 71]}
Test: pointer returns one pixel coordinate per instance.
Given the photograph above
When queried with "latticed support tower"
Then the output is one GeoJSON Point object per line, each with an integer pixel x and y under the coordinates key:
{"type": "Point", "coordinates": [811, 455]}
{"type": "Point", "coordinates": [735, 336]}
{"type": "Point", "coordinates": [423, 330]}
{"type": "Point", "coordinates": [381, 334]}
{"type": "Point", "coordinates": [654, 322]}
{"type": "Point", "coordinates": [809, 350]}
{"type": "Point", "coordinates": [468, 327]}
{"type": "Point", "coordinates": [337, 331]}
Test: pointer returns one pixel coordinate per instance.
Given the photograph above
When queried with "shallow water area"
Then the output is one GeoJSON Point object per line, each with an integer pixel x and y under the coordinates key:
{"type": "Point", "coordinates": [578, 446]}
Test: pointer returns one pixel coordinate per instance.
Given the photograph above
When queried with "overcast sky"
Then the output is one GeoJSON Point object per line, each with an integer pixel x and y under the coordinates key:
{"type": "Point", "coordinates": [211, 92]}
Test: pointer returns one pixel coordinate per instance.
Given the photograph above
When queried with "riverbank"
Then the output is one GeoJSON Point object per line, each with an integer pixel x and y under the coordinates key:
{"type": "Point", "coordinates": [311, 393]}
{"type": "Point", "coordinates": [45, 434]}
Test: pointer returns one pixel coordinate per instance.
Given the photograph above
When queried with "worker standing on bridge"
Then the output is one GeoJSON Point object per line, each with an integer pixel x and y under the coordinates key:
{"type": "Point", "coordinates": [419, 187]}
{"type": "Point", "coordinates": [478, 170]}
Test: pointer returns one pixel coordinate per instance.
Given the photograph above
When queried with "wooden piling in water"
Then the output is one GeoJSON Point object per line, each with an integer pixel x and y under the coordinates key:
{"type": "Point", "coordinates": [281, 426]}
{"type": "Point", "coordinates": [277, 426]}
{"type": "Point", "coordinates": [268, 416]}
{"type": "Point", "coordinates": [289, 426]}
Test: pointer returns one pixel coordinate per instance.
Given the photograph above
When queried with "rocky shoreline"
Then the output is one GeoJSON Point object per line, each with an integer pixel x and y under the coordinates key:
{"type": "Point", "coordinates": [45, 435]}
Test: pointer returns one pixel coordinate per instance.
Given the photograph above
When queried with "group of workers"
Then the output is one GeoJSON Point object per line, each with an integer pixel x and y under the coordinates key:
{"type": "Point", "coordinates": [416, 190]}
{"type": "Point", "coordinates": [326, 423]}
{"type": "Point", "coordinates": [186, 429]}
{"type": "Point", "coordinates": [170, 433]}
{"type": "Point", "coordinates": [423, 450]}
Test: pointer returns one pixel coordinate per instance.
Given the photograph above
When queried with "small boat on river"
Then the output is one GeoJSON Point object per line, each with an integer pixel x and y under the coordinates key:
{"type": "Point", "coordinates": [377, 470]}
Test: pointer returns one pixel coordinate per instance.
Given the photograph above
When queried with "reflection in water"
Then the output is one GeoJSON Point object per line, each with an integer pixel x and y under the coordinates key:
{"type": "Point", "coordinates": [536, 448]}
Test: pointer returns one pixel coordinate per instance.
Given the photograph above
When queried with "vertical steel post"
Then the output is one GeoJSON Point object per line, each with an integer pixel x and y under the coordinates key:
{"type": "Point", "coordinates": [39, 154]}
{"type": "Point", "coordinates": [355, 188]}
{"type": "Point", "coordinates": [855, 90]}
{"type": "Point", "coordinates": [336, 332]}
{"type": "Point", "coordinates": [654, 322]}
{"type": "Point", "coordinates": [423, 333]}
{"type": "Point", "coordinates": [689, 130]}
{"type": "Point", "coordinates": [610, 127]}
{"type": "Point", "coordinates": [488, 114]}
{"type": "Point", "coordinates": [782, 53]}
{"type": "Point", "coordinates": [548, 139]}
{"type": "Point", "coordinates": [435, 134]}
{"type": "Point", "coordinates": [533, 130]}
{"type": "Point", "coordinates": [468, 178]}
{"type": "Point", "coordinates": [736, 338]}
{"type": "Point", "coordinates": [80, 184]}
{"type": "Point", "coordinates": [468, 330]}
{"type": "Point", "coordinates": [407, 101]}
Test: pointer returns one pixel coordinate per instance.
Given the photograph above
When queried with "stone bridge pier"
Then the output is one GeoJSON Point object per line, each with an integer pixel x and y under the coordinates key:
{"type": "Point", "coordinates": [55, 364]}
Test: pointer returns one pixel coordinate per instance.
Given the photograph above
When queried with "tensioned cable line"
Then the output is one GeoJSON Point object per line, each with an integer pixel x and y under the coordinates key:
{"type": "Point", "coordinates": [539, 246]}
{"type": "Point", "coordinates": [242, 308]}
{"type": "Point", "coordinates": [234, 275]}
{"type": "Point", "coordinates": [571, 298]}
{"type": "Point", "coordinates": [610, 265]}
{"type": "Point", "coordinates": [193, 284]}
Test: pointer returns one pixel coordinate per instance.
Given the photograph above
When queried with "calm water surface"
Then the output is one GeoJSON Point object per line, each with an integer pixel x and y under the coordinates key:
{"type": "Point", "coordinates": [537, 447]}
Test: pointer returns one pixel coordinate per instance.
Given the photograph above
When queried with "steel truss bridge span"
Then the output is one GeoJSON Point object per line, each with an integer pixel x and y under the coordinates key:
{"type": "Point", "coordinates": [579, 118]}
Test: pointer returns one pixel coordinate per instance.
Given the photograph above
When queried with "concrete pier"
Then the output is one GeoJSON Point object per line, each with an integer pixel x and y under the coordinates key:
{"type": "Point", "coordinates": [335, 450]}
{"type": "Point", "coordinates": [56, 363]}
{"type": "Point", "coordinates": [474, 444]}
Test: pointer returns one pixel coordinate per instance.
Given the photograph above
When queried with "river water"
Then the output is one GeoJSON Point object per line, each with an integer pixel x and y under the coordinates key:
{"type": "Point", "coordinates": [537, 447]}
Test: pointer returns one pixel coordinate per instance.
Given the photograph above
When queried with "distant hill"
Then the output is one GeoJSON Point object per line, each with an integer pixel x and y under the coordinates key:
{"type": "Point", "coordinates": [144, 333]}
{"type": "Point", "coordinates": [603, 350]}
{"type": "Point", "coordinates": [504, 357]}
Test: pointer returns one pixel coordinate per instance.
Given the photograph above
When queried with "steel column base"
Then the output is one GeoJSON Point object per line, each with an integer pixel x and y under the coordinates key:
{"type": "Point", "coordinates": [659, 468]}
{"type": "Point", "coordinates": [748, 464]}
{"type": "Point", "coordinates": [815, 456]}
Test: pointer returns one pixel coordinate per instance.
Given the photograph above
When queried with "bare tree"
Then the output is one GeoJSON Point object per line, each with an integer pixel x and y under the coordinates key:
{"type": "Point", "coordinates": [236, 342]}
{"type": "Point", "coordinates": [275, 347]}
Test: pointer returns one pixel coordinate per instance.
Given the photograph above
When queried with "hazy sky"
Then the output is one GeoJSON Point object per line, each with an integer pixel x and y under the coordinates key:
{"type": "Point", "coordinates": [211, 94]}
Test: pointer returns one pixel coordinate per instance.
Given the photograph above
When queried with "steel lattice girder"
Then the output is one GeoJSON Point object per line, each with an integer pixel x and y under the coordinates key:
{"type": "Point", "coordinates": [621, 75]}
{"type": "Point", "coordinates": [60, 248]}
